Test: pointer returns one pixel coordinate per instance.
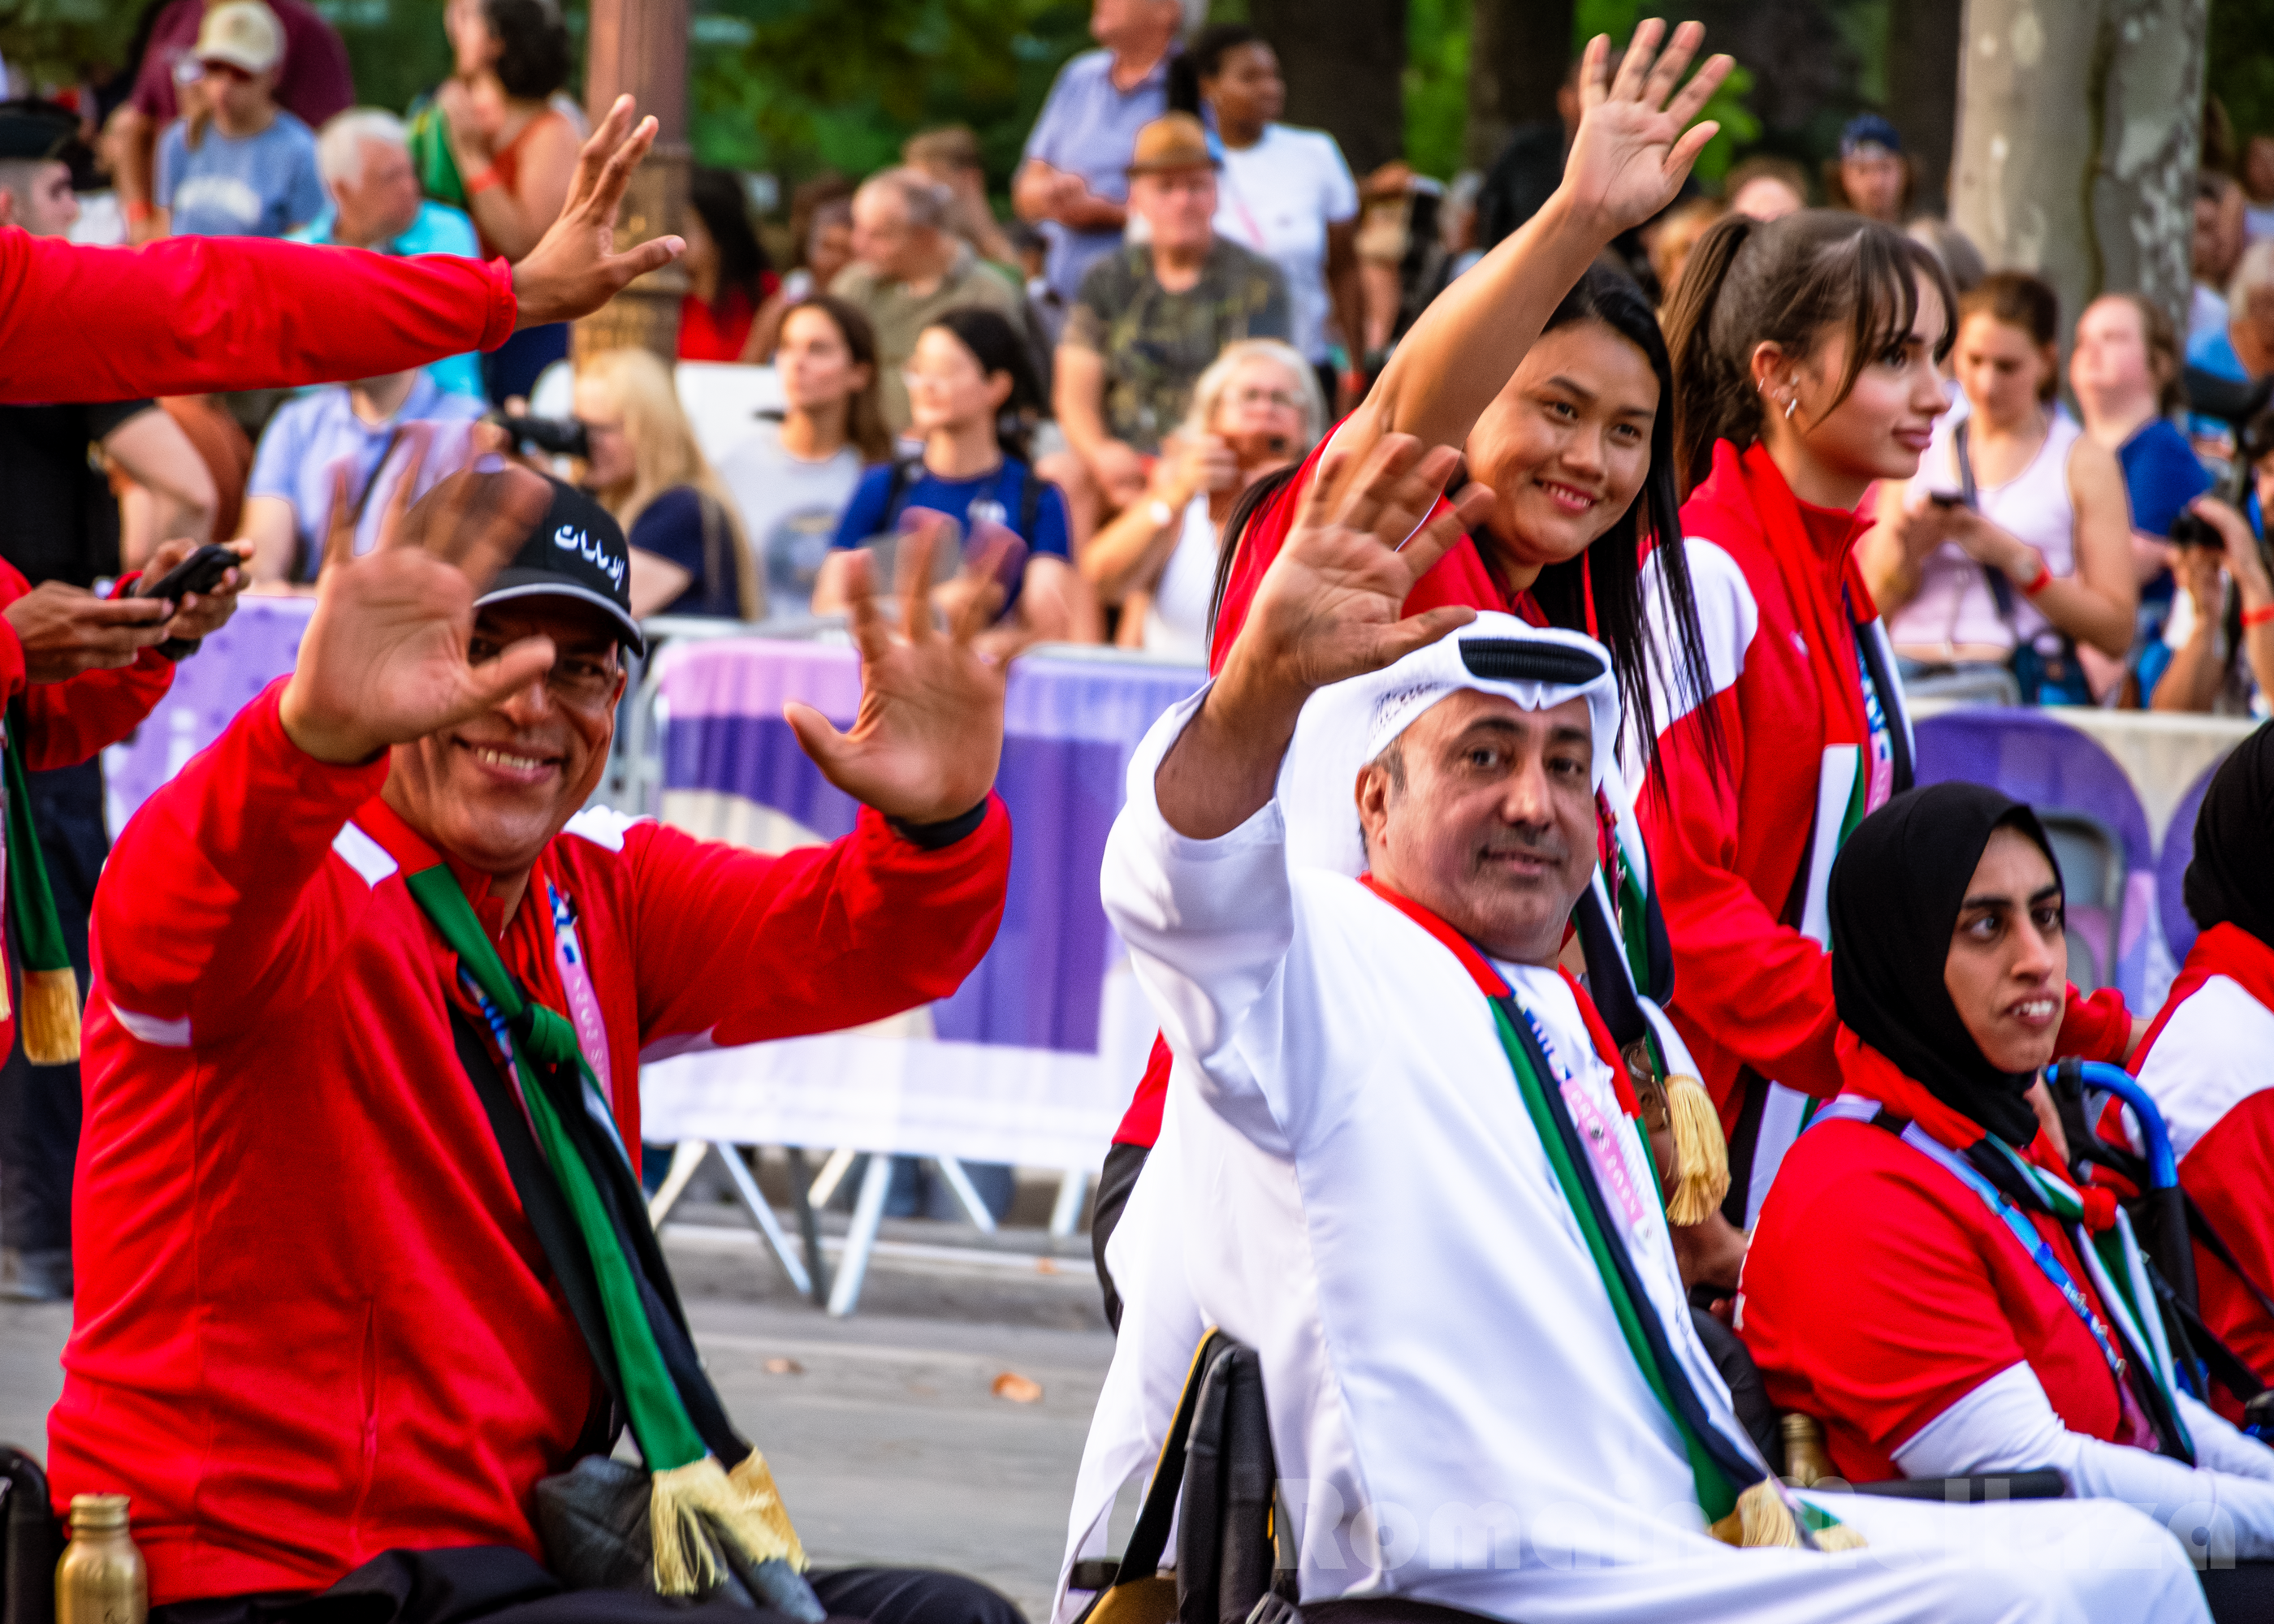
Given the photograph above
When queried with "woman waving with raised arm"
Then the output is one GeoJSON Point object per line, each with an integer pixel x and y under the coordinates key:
{"type": "Point", "coordinates": [1550, 374]}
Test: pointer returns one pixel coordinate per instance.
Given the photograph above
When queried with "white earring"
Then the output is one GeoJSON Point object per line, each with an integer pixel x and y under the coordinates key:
{"type": "Point", "coordinates": [1790, 406]}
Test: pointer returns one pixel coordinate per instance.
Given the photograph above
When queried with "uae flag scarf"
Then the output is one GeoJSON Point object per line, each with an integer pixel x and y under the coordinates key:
{"type": "Point", "coordinates": [709, 1488]}
{"type": "Point", "coordinates": [1742, 1503]}
{"type": "Point", "coordinates": [47, 1017]}
{"type": "Point", "coordinates": [1896, 897]}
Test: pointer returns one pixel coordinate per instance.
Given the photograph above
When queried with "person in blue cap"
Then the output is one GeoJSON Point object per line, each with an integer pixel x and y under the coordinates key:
{"type": "Point", "coordinates": [1873, 175]}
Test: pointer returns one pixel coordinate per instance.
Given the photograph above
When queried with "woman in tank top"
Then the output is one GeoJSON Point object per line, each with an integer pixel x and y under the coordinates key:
{"type": "Point", "coordinates": [2011, 547]}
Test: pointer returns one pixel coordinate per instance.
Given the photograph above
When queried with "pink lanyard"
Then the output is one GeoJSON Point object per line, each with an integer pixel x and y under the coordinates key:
{"type": "Point", "coordinates": [1601, 1136]}
{"type": "Point", "coordinates": [577, 983]}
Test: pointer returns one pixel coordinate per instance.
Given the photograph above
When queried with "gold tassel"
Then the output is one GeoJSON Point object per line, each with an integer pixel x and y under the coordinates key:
{"type": "Point", "coordinates": [49, 1018]}
{"type": "Point", "coordinates": [1763, 1518]}
{"type": "Point", "coordinates": [689, 1503]}
{"type": "Point", "coordinates": [754, 1481]}
{"type": "Point", "coordinates": [1701, 1157]}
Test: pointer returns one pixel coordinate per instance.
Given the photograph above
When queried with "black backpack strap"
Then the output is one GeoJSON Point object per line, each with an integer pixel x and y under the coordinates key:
{"type": "Point", "coordinates": [896, 489]}
{"type": "Point", "coordinates": [1251, 1476]}
{"type": "Point", "coordinates": [1141, 1559]}
{"type": "Point", "coordinates": [2199, 1226]}
{"type": "Point", "coordinates": [547, 1211]}
{"type": "Point", "coordinates": [1031, 504]}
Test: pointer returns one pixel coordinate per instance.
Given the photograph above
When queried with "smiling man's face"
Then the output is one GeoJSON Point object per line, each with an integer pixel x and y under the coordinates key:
{"type": "Point", "coordinates": [493, 789]}
{"type": "Point", "coordinates": [1484, 813]}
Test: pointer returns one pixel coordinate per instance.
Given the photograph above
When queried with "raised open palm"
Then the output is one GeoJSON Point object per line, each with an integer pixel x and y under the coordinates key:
{"type": "Point", "coordinates": [1633, 148]}
{"type": "Point", "coordinates": [925, 743]}
{"type": "Point", "coordinates": [1332, 604]}
{"type": "Point", "coordinates": [384, 660]}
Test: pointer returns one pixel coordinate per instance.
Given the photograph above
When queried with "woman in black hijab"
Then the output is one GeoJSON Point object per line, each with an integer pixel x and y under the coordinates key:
{"type": "Point", "coordinates": [1924, 1278]}
{"type": "Point", "coordinates": [2210, 1057]}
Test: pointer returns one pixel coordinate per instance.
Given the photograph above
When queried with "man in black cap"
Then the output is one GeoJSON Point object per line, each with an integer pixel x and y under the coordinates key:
{"type": "Point", "coordinates": [63, 533]}
{"type": "Point", "coordinates": [320, 1314]}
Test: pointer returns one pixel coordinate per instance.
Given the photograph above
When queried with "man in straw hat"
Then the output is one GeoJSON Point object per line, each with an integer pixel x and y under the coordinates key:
{"type": "Point", "coordinates": [1409, 1166]}
{"type": "Point", "coordinates": [363, 1251]}
{"type": "Point", "coordinates": [1150, 318]}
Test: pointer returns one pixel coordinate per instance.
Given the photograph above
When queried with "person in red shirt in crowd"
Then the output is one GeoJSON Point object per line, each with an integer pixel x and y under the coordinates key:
{"type": "Point", "coordinates": [312, 83]}
{"type": "Point", "coordinates": [320, 1316]}
{"type": "Point", "coordinates": [2205, 1058]}
{"type": "Point", "coordinates": [1551, 375]}
{"type": "Point", "coordinates": [1805, 358]}
{"type": "Point", "coordinates": [1927, 1279]}
{"type": "Point", "coordinates": [729, 279]}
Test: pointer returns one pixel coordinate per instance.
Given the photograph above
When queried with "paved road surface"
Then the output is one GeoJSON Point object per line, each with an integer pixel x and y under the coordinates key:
{"type": "Point", "coordinates": [888, 1442]}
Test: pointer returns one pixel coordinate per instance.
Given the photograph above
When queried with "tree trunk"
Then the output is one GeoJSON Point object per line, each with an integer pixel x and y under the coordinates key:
{"type": "Point", "coordinates": [1344, 60]}
{"type": "Point", "coordinates": [2079, 127]}
{"type": "Point", "coordinates": [1518, 52]}
{"type": "Point", "coordinates": [639, 46]}
{"type": "Point", "coordinates": [1923, 39]}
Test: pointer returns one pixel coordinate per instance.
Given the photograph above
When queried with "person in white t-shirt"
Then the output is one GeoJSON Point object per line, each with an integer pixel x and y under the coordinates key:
{"type": "Point", "coordinates": [1256, 409]}
{"type": "Point", "coordinates": [1287, 195]}
{"type": "Point", "coordinates": [792, 478]}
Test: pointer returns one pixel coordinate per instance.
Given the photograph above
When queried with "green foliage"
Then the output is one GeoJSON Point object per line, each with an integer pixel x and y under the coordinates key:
{"type": "Point", "coordinates": [798, 84]}
{"type": "Point", "coordinates": [1436, 84]}
{"type": "Point", "coordinates": [398, 50]}
{"type": "Point", "coordinates": [2241, 74]}
{"type": "Point", "coordinates": [58, 40]}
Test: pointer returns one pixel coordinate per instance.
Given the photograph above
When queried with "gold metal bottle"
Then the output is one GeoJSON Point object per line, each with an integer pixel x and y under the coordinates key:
{"type": "Point", "coordinates": [1805, 1461]}
{"type": "Point", "coordinates": [102, 1579]}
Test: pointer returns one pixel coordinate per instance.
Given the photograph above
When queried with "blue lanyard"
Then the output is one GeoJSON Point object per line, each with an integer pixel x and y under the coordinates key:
{"type": "Point", "coordinates": [2032, 1242]}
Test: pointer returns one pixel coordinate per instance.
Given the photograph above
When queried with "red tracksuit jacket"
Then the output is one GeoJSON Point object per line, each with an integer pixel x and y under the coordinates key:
{"type": "Point", "coordinates": [312, 1322]}
{"type": "Point", "coordinates": [191, 315]}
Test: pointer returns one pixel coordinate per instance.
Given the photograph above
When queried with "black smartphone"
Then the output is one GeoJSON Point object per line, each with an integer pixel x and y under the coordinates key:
{"type": "Point", "coordinates": [200, 572]}
{"type": "Point", "coordinates": [1946, 499]}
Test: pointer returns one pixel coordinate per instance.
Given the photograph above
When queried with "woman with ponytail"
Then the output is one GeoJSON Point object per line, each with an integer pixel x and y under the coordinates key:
{"type": "Point", "coordinates": [1550, 372]}
{"type": "Point", "coordinates": [1806, 364]}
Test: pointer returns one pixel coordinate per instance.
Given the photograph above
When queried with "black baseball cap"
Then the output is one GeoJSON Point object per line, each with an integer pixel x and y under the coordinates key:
{"type": "Point", "coordinates": [36, 130]}
{"type": "Point", "coordinates": [577, 551]}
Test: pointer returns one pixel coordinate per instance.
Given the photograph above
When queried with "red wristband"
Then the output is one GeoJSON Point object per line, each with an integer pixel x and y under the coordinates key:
{"type": "Point", "coordinates": [137, 210]}
{"type": "Point", "coordinates": [2044, 578]}
{"type": "Point", "coordinates": [483, 181]}
{"type": "Point", "coordinates": [2259, 616]}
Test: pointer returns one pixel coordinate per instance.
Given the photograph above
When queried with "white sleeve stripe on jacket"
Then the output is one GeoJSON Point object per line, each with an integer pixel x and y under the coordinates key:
{"type": "Point", "coordinates": [1728, 617]}
{"type": "Point", "coordinates": [151, 1029]}
{"type": "Point", "coordinates": [366, 856]}
{"type": "Point", "coordinates": [2209, 1058]}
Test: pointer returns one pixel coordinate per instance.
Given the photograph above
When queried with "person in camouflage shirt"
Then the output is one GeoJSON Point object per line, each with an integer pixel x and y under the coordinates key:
{"type": "Point", "coordinates": [1151, 317]}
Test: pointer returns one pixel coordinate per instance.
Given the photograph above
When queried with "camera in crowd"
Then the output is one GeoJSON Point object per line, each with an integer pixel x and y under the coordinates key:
{"type": "Point", "coordinates": [2243, 408]}
{"type": "Point", "coordinates": [551, 436]}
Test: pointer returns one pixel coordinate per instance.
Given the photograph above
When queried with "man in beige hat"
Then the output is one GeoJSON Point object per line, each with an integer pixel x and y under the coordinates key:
{"type": "Point", "coordinates": [242, 166]}
{"type": "Point", "coordinates": [1150, 320]}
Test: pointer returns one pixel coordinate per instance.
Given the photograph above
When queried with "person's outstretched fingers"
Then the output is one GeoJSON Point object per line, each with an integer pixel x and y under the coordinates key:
{"type": "Point", "coordinates": [510, 670]}
{"type": "Point", "coordinates": [862, 623]}
{"type": "Point", "coordinates": [418, 438]}
{"type": "Point", "coordinates": [912, 579]}
{"type": "Point", "coordinates": [1700, 89]}
{"type": "Point", "coordinates": [1666, 72]}
{"type": "Point", "coordinates": [1594, 74]}
{"type": "Point", "coordinates": [507, 505]}
{"type": "Point", "coordinates": [1435, 539]}
{"type": "Point", "coordinates": [983, 599]}
{"type": "Point", "coordinates": [593, 156]}
{"type": "Point", "coordinates": [616, 173]}
{"type": "Point", "coordinates": [1634, 67]}
{"type": "Point", "coordinates": [1411, 498]}
{"type": "Point", "coordinates": [339, 532]}
{"type": "Point", "coordinates": [816, 734]}
{"type": "Point", "coordinates": [1418, 631]}
{"type": "Point", "coordinates": [1362, 503]}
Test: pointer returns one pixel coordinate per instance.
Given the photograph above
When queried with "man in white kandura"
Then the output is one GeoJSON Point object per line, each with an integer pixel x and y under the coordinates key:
{"type": "Point", "coordinates": [1400, 1162]}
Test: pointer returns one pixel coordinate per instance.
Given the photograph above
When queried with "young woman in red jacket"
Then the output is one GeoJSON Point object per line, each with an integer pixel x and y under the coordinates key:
{"type": "Point", "coordinates": [1552, 376]}
{"type": "Point", "coordinates": [1805, 361]}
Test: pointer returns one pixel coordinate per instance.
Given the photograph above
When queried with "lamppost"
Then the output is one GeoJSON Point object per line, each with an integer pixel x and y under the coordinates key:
{"type": "Point", "coordinates": [640, 47]}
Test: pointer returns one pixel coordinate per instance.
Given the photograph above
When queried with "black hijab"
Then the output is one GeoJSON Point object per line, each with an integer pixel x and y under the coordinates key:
{"type": "Point", "coordinates": [1894, 896]}
{"type": "Point", "coordinates": [2230, 877]}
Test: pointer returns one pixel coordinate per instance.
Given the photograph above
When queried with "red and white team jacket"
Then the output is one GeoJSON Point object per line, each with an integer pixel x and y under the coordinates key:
{"type": "Point", "coordinates": [2209, 1061]}
{"type": "Point", "coordinates": [312, 1322]}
